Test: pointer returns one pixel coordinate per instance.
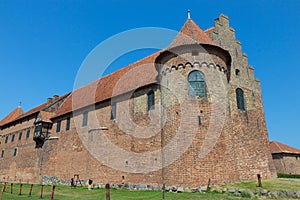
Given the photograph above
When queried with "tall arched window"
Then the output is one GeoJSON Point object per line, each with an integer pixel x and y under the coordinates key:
{"type": "Point", "coordinates": [197, 86]}
{"type": "Point", "coordinates": [240, 99]}
{"type": "Point", "coordinates": [151, 100]}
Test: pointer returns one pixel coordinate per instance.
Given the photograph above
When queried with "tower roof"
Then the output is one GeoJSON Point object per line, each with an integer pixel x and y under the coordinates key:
{"type": "Point", "coordinates": [12, 116]}
{"type": "Point", "coordinates": [277, 147]}
{"type": "Point", "coordinates": [103, 88]}
{"type": "Point", "coordinates": [191, 33]}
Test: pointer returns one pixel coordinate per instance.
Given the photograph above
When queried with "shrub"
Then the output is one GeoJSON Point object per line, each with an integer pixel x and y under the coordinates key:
{"type": "Point", "coordinates": [288, 175]}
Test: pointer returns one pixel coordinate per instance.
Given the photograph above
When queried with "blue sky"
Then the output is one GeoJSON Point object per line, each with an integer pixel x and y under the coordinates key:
{"type": "Point", "coordinates": [43, 43]}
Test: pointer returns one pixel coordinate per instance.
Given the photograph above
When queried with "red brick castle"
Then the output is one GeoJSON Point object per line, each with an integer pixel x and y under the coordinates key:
{"type": "Point", "coordinates": [181, 116]}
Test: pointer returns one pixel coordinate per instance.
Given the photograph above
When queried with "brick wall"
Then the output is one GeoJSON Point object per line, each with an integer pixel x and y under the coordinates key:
{"type": "Point", "coordinates": [25, 164]}
{"type": "Point", "coordinates": [287, 163]}
{"type": "Point", "coordinates": [165, 145]}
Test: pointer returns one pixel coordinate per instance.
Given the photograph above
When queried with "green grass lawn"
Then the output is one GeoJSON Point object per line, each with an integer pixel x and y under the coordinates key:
{"type": "Point", "coordinates": [269, 184]}
{"type": "Point", "coordinates": [80, 193]}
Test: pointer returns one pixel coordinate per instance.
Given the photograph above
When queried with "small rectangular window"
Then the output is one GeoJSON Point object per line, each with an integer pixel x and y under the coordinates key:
{"type": "Point", "coordinates": [38, 129]}
{"type": "Point", "coordinates": [85, 118]}
{"type": "Point", "coordinates": [28, 134]}
{"type": "Point", "coordinates": [2, 154]}
{"type": "Point", "coordinates": [58, 124]}
{"type": "Point", "coordinates": [13, 138]}
{"type": "Point", "coordinates": [113, 111]}
{"type": "Point", "coordinates": [6, 139]}
{"type": "Point", "coordinates": [151, 100]}
{"type": "Point", "coordinates": [20, 136]}
{"type": "Point", "coordinates": [15, 151]}
{"type": "Point", "coordinates": [68, 124]}
{"type": "Point", "coordinates": [199, 121]}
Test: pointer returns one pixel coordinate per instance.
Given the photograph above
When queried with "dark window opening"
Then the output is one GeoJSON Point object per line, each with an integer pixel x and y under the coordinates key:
{"type": "Point", "coordinates": [237, 72]}
{"type": "Point", "coordinates": [58, 125]}
{"type": "Point", "coordinates": [2, 154]}
{"type": "Point", "coordinates": [20, 135]}
{"type": "Point", "coordinates": [85, 118]}
{"type": "Point", "coordinates": [6, 139]}
{"type": "Point", "coordinates": [199, 121]}
{"type": "Point", "coordinates": [68, 124]}
{"type": "Point", "coordinates": [113, 111]}
{"type": "Point", "coordinates": [38, 129]}
{"type": "Point", "coordinates": [27, 134]}
{"type": "Point", "coordinates": [13, 138]}
{"type": "Point", "coordinates": [197, 86]}
{"type": "Point", "coordinates": [151, 100]}
{"type": "Point", "coordinates": [15, 152]}
{"type": "Point", "coordinates": [240, 99]}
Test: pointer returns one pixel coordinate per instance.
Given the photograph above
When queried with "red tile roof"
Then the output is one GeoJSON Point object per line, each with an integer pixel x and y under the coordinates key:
{"type": "Point", "coordinates": [30, 112]}
{"type": "Point", "coordinates": [135, 75]}
{"type": "Point", "coordinates": [119, 82]}
{"type": "Point", "coordinates": [12, 116]}
{"type": "Point", "coordinates": [46, 116]}
{"type": "Point", "coordinates": [191, 33]}
{"type": "Point", "coordinates": [277, 147]}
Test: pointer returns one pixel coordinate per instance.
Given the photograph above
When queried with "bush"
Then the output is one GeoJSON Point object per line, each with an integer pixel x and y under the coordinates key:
{"type": "Point", "coordinates": [288, 175]}
{"type": "Point", "coordinates": [246, 194]}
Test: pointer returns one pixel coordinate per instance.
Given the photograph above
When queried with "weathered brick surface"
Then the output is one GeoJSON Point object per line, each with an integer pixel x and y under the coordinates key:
{"type": "Point", "coordinates": [236, 142]}
{"type": "Point", "coordinates": [287, 163]}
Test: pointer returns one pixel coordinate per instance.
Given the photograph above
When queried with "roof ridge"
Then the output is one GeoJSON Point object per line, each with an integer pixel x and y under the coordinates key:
{"type": "Point", "coordinates": [282, 148]}
{"type": "Point", "coordinates": [276, 143]}
{"type": "Point", "coordinates": [12, 115]}
{"type": "Point", "coordinates": [191, 33]}
{"type": "Point", "coordinates": [193, 36]}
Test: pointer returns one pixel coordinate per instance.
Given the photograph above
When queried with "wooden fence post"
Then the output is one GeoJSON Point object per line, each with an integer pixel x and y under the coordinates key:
{"type": "Point", "coordinates": [30, 190]}
{"type": "Point", "coordinates": [107, 187]}
{"type": "Point", "coordinates": [42, 189]}
{"type": "Point", "coordinates": [259, 180]}
{"type": "Point", "coordinates": [21, 185]}
{"type": "Point", "coordinates": [11, 188]}
{"type": "Point", "coordinates": [52, 192]}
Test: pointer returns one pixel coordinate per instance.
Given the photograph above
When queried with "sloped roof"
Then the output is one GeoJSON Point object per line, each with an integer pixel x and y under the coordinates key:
{"type": "Point", "coordinates": [32, 111]}
{"type": "Point", "coordinates": [191, 33]}
{"type": "Point", "coordinates": [46, 116]}
{"type": "Point", "coordinates": [277, 147]}
{"type": "Point", "coordinates": [12, 116]}
{"type": "Point", "coordinates": [135, 75]}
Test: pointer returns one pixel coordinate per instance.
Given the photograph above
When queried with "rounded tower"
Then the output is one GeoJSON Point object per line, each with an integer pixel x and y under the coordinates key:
{"type": "Point", "coordinates": [193, 75]}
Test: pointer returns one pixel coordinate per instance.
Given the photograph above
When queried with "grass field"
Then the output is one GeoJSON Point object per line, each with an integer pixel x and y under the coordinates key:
{"type": "Point", "coordinates": [80, 193]}
{"type": "Point", "coordinates": [270, 184]}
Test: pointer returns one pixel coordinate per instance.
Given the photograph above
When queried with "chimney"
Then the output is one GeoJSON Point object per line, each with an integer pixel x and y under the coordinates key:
{"type": "Point", "coordinates": [49, 100]}
{"type": "Point", "coordinates": [55, 97]}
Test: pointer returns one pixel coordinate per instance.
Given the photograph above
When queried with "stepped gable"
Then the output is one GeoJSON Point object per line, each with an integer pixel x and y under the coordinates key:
{"type": "Point", "coordinates": [12, 116]}
{"type": "Point", "coordinates": [135, 75]}
{"type": "Point", "coordinates": [209, 30]}
{"type": "Point", "coordinates": [277, 147]}
{"type": "Point", "coordinates": [191, 33]}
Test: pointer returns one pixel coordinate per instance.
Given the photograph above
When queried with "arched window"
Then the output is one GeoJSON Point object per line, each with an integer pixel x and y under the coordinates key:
{"type": "Point", "coordinates": [151, 100]}
{"type": "Point", "coordinates": [197, 86]}
{"type": "Point", "coordinates": [240, 99]}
